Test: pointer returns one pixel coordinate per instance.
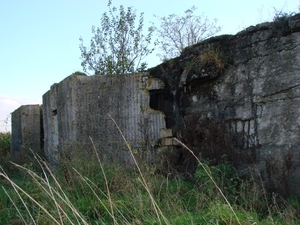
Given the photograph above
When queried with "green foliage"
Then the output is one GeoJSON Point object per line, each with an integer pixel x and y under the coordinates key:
{"type": "Point", "coordinates": [119, 44]}
{"type": "Point", "coordinates": [282, 16]}
{"type": "Point", "coordinates": [79, 73]}
{"type": "Point", "coordinates": [220, 213]}
{"type": "Point", "coordinates": [214, 58]}
{"type": "Point", "coordinates": [101, 192]}
{"type": "Point", "coordinates": [5, 142]}
{"type": "Point", "coordinates": [178, 32]}
{"type": "Point", "coordinates": [281, 22]}
{"type": "Point", "coordinates": [212, 61]}
{"type": "Point", "coordinates": [224, 175]}
{"type": "Point", "coordinates": [280, 172]}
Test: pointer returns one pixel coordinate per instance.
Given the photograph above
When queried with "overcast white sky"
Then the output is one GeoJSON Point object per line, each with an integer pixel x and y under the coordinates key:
{"type": "Point", "coordinates": [40, 38]}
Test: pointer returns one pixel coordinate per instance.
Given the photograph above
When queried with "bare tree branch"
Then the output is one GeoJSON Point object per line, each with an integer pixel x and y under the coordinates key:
{"type": "Point", "coordinates": [178, 32]}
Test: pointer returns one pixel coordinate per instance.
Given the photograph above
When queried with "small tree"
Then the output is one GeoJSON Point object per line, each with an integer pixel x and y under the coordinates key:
{"type": "Point", "coordinates": [118, 45]}
{"type": "Point", "coordinates": [177, 32]}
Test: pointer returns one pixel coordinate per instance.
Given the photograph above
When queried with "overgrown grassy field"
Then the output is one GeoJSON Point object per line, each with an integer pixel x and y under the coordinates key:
{"type": "Point", "coordinates": [90, 190]}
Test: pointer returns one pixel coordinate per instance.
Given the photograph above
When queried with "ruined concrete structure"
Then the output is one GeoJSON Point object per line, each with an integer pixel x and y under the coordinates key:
{"type": "Point", "coordinates": [82, 107]}
{"type": "Point", "coordinates": [248, 82]}
{"type": "Point", "coordinates": [27, 132]}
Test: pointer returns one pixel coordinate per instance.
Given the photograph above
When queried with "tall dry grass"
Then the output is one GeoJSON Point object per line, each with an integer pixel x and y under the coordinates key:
{"type": "Point", "coordinates": [95, 191]}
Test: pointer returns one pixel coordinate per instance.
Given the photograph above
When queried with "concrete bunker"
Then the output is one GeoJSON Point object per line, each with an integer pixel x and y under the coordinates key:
{"type": "Point", "coordinates": [27, 130]}
{"type": "Point", "coordinates": [81, 107]}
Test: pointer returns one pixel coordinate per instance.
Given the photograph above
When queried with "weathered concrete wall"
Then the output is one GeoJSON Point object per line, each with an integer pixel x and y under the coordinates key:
{"type": "Point", "coordinates": [26, 131]}
{"type": "Point", "coordinates": [257, 95]}
{"type": "Point", "coordinates": [79, 107]}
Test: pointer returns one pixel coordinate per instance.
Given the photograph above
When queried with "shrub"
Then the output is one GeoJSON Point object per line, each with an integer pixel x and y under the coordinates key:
{"type": "Point", "coordinates": [209, 63]}
{"type": "Point", "coordinates": [224, 174]}
{"type": "Point", "coordinates": [215, 59]}
{"type": "Point", "coordinates": [281, 22]}
{"type": "Point", "coordinates": [5, 144]}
